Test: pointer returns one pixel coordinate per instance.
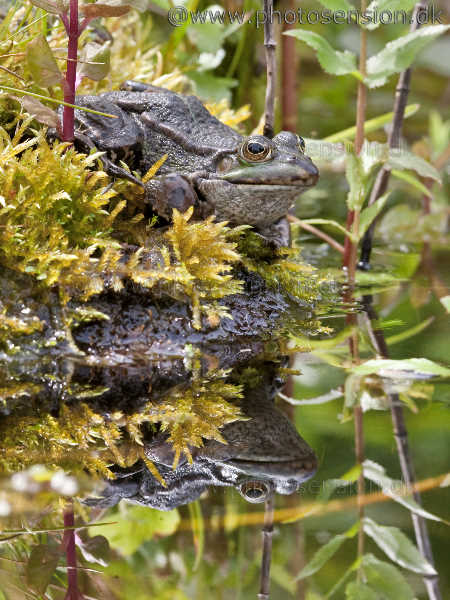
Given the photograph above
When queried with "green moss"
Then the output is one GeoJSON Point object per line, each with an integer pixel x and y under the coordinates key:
{"type": "Point", "coordinates": [79, 437]}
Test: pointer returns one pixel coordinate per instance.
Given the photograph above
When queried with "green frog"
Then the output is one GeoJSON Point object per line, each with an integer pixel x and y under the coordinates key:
{"type": "Point", "coordinates": [243, 180]}
{"type": "Point", "coordinates": [260, 456]}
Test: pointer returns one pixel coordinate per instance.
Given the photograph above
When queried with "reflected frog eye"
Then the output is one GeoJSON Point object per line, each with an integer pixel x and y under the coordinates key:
{"type": "Point", "coordinates": [301, 144]}
{"type": "Point", "coordinates": [256, 149]}
{"type": "Point", "coordinates": [255, 491]}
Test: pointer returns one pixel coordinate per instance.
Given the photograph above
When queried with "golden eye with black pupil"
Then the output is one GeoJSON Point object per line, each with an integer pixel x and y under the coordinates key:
{"type": "Point", "coordinates": [301, 144]}
{"type": "Point", "coordinates": [256, 149]}
{"type": "Point", "coordinates": [254, 491]}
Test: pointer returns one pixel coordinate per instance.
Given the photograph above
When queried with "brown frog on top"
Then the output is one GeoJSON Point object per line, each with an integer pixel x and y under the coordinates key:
{"type": "Point", "coordinates": [244, 180]}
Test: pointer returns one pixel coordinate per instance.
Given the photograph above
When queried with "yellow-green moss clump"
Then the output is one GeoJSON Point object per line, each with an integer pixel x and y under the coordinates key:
{"type": "Point", "coordinates": [56, 223]}
{"type": "Point", "coordinates": [82, 438]}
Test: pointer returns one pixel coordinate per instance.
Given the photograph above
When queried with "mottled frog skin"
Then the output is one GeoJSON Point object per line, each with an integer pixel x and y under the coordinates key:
{"type": "Point", "coordinates": [210, 166]}
{"type": "Point", "coordinates": [263, 455]}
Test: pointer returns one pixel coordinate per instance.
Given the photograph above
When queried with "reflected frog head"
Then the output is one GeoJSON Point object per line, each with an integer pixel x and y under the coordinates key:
{"type": "Point", "coordinates": [262, 455]}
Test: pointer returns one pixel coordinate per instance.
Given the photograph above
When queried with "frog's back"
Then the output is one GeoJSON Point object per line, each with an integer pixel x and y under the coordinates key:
{"type": "Point", "coordinates": [177, 125]}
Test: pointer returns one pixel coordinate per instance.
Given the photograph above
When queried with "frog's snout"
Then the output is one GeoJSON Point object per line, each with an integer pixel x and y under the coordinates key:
{"type": "Point", "coordinates": [308, 173]}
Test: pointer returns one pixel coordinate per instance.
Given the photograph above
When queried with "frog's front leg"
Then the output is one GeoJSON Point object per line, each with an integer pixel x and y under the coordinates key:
{"type": "Point", "coordinates": [173, 190]}
{"type": "Point", "coordinates": [276, 234]}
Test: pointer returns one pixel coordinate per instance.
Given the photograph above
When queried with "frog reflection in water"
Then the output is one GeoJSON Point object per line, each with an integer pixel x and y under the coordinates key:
{"type": "Point", "coordinates": [263, 454]}
{"type": "Point", "coordinates": [209, 166]}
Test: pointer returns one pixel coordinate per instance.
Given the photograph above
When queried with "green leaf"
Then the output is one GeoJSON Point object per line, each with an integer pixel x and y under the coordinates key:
{"type": "Point", "coordinates": [40, 567]}
{"type": "Point", "coordinates": [40, 112]}
{"type": "Point", "coordinates": [335, 5]}
{"type": "Point", "coordinates": [412, 180]}
{"type": "Point", "coordinates": [445, 301]}
{"type": "Point", "coordinates": [412, 331]}
{"type": "Point", "coordinates": [391, 367]}
{"type": "Point", "coordinates": [356, 590]}
{"type": "Point", "coordinates": [331, 485]}
{"type": "Point", "coordinates": [399, 54]}
{"type": "Point", "coordinates": [355, 177]}
{"type": "Point", "coordinates": [95, 63]}
{"type": "Point", "coordinates": [322, 556]}
{"type": "Point", "coordinates": [42, 64]}
{"type": "Point", "coordinates": [332, 61]}
{"type": "Point", "coordinates": [392, 6]}
{"type": "Point", "coordinates": [55, 7]}
{"type": "Point", "coordinates": [386, 579]}
{"type": "Point", "coordinates": [407, 160]}
{"type": "Point", "coordinates": [370, 125]}
{"type": "Point", "coordinates": [393, 488]}
{"type": "Point", "coordinates": [137, 524]}
{"type": "Point", "coordinates": [370, 213]}
{"type": "Point", "coordinates": [398, 547]}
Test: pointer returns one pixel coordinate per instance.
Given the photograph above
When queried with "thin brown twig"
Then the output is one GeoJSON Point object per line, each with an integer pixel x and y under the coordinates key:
{"type": "Point", "coordinates": [270, 45]}
{"type": "Point", "coordinates": [317, 232]}
{"type": "Point", "coordinates": [406, 463]}
{"type": "Point", "coordinates": [267, 534]}
{"type": "Point", "coordinates": [382, 179]}
{"type": "Point", "coordinates": [289, 68]}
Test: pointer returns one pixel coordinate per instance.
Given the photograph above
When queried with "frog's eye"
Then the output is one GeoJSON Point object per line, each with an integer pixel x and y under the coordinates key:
{"type": "Point", "coordinates": [301, 144]}
{"type": "Point", "coordinates": [255, 491]}
{"type": "Point", "coordinates": [256, 149]}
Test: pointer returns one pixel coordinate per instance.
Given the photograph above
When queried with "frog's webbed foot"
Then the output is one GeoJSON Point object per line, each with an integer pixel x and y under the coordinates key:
{"type": "Point", "coordinates": [276, 234]}
{"type": "Point", "coordinates": [171, 191]}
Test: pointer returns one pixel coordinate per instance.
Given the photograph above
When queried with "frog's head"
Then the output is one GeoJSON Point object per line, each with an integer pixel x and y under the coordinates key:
{"type": "Point", "coordinates": [258, 183]}
{"type": "Point", "coordinates": [259, 456]}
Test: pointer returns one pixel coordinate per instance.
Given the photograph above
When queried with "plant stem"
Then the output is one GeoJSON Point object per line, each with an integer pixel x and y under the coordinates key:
{"type": "Point", "coordinates": [382, 179]}
{"type": "Point", "coordinates": [349, 260]}
{"type": "Point", "coordinates": [405, 458]}
{"type": "Point", "coordinates": [267, 533]}
{"type": "Point", "coordinates": [71, 73]}
{"type": "Point", "coordinates": [270, 45]}
{"type": "Point", "coordinates": [289, 64]}
{"type": "Point", "coordinates": [71, 555]}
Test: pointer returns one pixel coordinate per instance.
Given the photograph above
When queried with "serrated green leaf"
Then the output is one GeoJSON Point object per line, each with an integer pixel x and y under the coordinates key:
{"type": "Point", "coordinates": [135, 525]}
{"type": "Point", "coordinates": [393, 6]}
{"type": "Point", "coordinates": [392, 367]}
{"type": "Point", "coordinates": [398, 547]}
{"type": "Point", "coordinates": [370, 213]}
{"type": "Point", "coordinates": [356, 590]}
{"type": "Point", "coordinates": [394, 489]}
{"type": "Point", "coordinates": [407, 160]}
{"type": "Point", "coordinates": [332, 61]}
{"type": "Point", "coordinates": [322, 555]}
{"type": "Point", "coordinates": [399, 54]}
{"type": "Point", "coordinates": [40, 567]}
{"type": "Point", "coordinates": [386, 579]}
{"type": "Point", "coordinates": [42, 64]}
{"type": "Point", "coordinates": [412, 180]}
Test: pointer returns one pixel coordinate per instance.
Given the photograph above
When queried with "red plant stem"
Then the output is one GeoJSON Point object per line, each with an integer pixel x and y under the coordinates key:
{"type": "Point", "coordinates": [71, 73]}
{"type": "Point", "coordinates": [71, 555]}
